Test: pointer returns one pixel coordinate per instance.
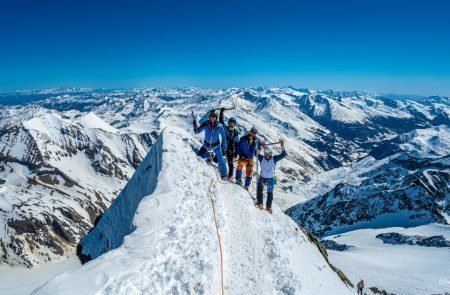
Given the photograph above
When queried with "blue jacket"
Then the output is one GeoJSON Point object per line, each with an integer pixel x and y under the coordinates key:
{"type": "Point", "coordinates": [275, 158]}
{"type": "Point", "coordinates": [214, 134]}
{"type": "Point", "coordinates": [245, 150]}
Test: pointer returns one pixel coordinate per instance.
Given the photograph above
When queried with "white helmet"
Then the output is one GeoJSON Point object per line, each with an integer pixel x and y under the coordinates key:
{"type": "Point", "coordinates": [267, 151]}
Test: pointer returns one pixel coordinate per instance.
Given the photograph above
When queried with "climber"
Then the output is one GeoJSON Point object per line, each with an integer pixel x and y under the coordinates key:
{"type": "Point", "coordinates": [246, 151]}
{"type": "Point", "coordinates": [215, 141]}
{"type": "Point", "coordinates": [267, 177]}
{"type": "Point", "coordinates": [360, 286]}
{"type": "Point", "coordinates": [232, 135]}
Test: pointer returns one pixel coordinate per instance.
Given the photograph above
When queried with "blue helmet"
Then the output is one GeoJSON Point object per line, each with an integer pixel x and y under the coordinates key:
{"type": "Point", "coordinates": [232, 120]}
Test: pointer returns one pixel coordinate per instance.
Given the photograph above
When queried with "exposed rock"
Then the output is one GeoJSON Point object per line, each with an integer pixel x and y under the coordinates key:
{"type": "Point", "coordinates": [401, 239]}
{"type": "Point", "coordinates": [377, 291]}
{"type": "Point", "coordinates": [323, 251]}
{"type": "Point", "coordinates": [332, 245]}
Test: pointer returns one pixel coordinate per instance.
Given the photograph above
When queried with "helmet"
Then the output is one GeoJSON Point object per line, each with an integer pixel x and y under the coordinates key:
{"type": "Point", "coordinates": [232, 120]}
{"type": "Point", "coordinates": [212, 113]}
{"type": "Point", "coordinates": [254, 130]}
{"type": "Point", "coordinates": [267, 151]}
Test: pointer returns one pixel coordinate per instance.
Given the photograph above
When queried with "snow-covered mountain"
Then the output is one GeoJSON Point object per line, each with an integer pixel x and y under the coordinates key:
{"type": "Point", "coordinates": [368, 119]}
{"type": "Point", "coordinates": [58, 172]}
{"type": "Point", "coordinates": [66, 154]}
{"type": "Point", "coordinates": [409, 187]}
{"type": "Point", "coordinates": [81, 146]}
{"type": "Point", "coordinates": [174, 247]}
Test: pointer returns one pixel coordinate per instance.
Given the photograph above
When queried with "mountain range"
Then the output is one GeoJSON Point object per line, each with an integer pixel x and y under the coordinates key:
{"type": "Point", "coordinates": [355, 160]}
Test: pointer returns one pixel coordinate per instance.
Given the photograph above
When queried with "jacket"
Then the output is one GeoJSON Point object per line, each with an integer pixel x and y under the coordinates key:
{"type": "Point", "coordinates": [232, 136]}
{"type": "Point", "coordinates": [245, 150]}
{"type": "Point", "coordinates": [214, 134]}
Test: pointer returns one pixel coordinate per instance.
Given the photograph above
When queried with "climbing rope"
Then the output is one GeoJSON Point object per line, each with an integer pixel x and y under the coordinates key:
{"type": "Point", "coordinates": [217, 231]}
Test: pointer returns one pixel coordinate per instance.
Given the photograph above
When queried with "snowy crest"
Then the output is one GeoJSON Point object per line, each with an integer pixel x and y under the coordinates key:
{"type": "Point", "coordinates": [173, 245]}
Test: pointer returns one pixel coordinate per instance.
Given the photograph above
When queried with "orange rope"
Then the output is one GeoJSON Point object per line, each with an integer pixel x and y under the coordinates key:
{"type": "Point", "coordinates": [217, 231]}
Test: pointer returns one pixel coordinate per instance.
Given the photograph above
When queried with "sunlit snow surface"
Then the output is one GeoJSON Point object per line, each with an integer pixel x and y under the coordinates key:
{"type": "Point", "coordinates": [174, 249]}
{"type": "Point", "coordinates": [398, 269]}
{"type": "Point", "coordinates": [21, 281]}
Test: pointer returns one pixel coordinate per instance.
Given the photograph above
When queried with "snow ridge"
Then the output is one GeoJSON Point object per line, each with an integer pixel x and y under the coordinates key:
{"type": "Point", "coordinates": [103, 237]}
{"type": "Point", "coordinates": [174, 249]}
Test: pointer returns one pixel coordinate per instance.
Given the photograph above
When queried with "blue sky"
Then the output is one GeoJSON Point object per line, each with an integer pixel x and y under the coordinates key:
{"type": "Point", "coordinates": [384, 46]}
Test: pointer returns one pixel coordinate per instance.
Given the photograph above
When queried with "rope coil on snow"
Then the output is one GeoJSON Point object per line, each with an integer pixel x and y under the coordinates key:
{"type": "Point", "coordinates": [217, 231]}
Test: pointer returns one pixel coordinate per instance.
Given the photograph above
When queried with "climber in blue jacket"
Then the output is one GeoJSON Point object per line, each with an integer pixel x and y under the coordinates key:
{"type": "Point", "coordinates": [246, 151]}
{"type": "Point", "coordinates": [215, 141]}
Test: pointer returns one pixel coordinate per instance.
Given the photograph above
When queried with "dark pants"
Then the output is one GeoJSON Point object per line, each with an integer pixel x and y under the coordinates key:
{"type": "Point", "coordinates": [202, 152]}
{"type": "Point", "coordinates": [270, 183]}
{"type": "Point", "coordinates": [360, 291]}
{"type": "Point", "coordinates": [230, 163]}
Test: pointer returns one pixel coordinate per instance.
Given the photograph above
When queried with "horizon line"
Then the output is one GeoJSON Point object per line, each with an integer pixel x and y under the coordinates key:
{"type": "Point", "coordinates": [371, 92]}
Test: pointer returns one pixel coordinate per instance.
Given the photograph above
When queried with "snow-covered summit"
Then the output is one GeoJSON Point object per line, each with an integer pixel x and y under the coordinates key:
{"type": "Point", "coordinates": [427, 143]}
{"type": "Point", "coordinates": [174, 246]}
{"type": "Point", "coordinates": [92, 121]}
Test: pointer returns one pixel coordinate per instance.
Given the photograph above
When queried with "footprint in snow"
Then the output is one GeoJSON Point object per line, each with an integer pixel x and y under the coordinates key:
{"type": "Point", "coordinates": [101, 279]}
{"type": "Point", "coordinates": [153, 203]}
{"type": "Point", "coordinates": [172, 232]}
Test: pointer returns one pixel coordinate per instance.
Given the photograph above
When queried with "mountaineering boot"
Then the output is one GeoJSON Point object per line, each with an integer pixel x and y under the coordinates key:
{"type": "Point", "coordinates": [260, 206]}
{"type": "Point", "coordinates": [269, 199]}
{"type": "Point", "coordinates": [224, 177]}
{"type": "Point", "coordinates": [259, 193]}
{"type": "Point", "coordinates": [268, 209]}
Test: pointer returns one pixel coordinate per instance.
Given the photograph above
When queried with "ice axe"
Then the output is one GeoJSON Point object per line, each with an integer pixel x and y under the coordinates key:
{"type": "Point", "coordinates": [227, 109]}
{"type": "Point", "coordinates": [272, 143]}
{"type": "Point", "coordinates": [277, 142]}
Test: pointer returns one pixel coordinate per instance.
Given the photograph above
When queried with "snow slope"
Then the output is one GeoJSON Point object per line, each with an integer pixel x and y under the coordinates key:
{"type": "Point", "coordinates": [400, 269]}
{"type": "Point", "coordinates": [174, 248]}
{"type": "Point", "coordinates": [20, 280]}
{"type": "Point", "coordinates": [427, 143]}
